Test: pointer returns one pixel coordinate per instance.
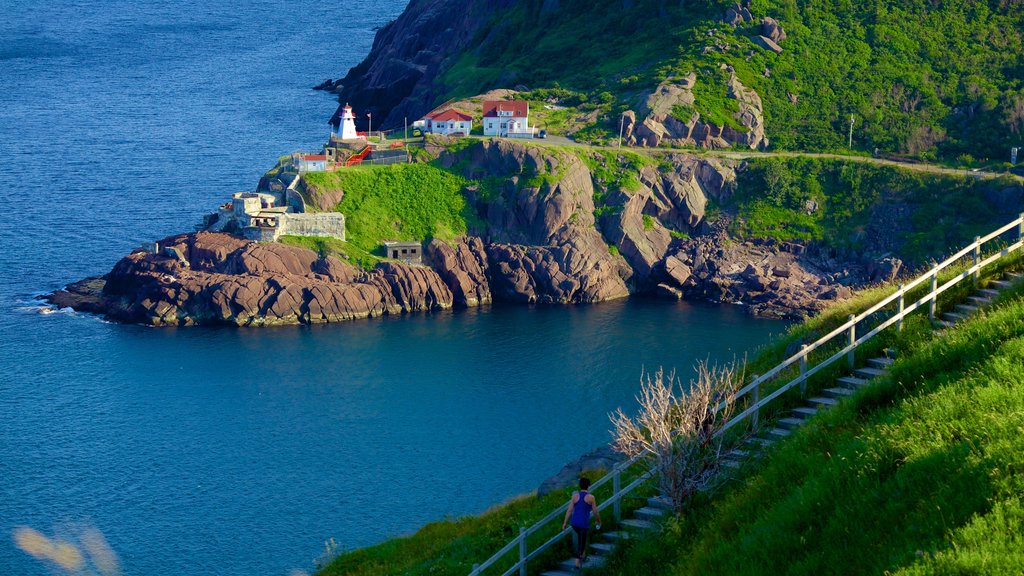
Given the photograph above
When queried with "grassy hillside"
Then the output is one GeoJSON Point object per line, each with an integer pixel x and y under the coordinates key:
{"type": "Point", "coordinates": [920, 77]}
{"type": "Point", "coordinates": [920, 474]}
{"type": "Point", "coordinates": [834, 202]}
{"type": "Point", "coordinates": [400, 202]}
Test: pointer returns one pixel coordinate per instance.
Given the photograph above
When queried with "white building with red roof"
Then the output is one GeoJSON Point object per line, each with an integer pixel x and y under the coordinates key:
{"type": "Point", "coordinates": [509, 118]}
{"type": "Point", "coordinates": [449, 123]}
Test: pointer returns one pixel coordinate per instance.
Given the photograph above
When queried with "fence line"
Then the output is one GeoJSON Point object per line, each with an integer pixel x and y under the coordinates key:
{"type": "Point", "coordinates": [848, 329]}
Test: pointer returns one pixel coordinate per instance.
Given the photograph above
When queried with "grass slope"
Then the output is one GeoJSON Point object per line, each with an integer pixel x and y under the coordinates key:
{"type": "Point", "coordinates": [399, 202]}
{"type": "Point", "coordinates": [920, 77]}
{"type": "Point", "coordinates": [920, 474]}
{"type": "Point", "coordinates": [942, 212]}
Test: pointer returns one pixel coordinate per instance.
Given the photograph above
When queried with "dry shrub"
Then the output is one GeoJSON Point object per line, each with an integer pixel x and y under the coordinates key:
{"type": "Point", "coordinates": [680, 432]}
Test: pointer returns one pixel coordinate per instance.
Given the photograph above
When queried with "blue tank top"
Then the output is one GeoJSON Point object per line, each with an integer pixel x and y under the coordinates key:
{"type": "Point", "coordinates": [581, 512]}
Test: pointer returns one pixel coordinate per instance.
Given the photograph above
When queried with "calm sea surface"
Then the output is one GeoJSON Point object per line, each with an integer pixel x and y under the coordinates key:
{"type": "Point", "coordinates": [226, 451]}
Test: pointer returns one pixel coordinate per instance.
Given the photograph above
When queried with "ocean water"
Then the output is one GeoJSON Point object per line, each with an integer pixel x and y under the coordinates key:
{"type": "Point", "coordinates": [227, 451]}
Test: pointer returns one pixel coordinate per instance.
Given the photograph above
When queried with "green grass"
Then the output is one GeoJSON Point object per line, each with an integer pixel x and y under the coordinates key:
{"type": "Point", "coordinates": [919, 474]}
{"type": "Point", "coordinates": [400, 202]}
{"type": "Point", "coordinates": [924, 78]}
{"type": "Point", "coordinates": [944, 212]}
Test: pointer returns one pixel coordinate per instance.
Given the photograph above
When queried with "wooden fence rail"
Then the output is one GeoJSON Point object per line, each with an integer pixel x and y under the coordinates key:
{"type": "Point", "coordinates": [800, 358]}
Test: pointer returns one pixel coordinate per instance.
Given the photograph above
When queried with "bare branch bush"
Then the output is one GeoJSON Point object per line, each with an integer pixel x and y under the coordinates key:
{"type": "Point", "coordinates": [681, 432]}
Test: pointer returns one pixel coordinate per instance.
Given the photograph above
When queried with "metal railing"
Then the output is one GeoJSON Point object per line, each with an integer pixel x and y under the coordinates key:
{"type": "Point", "coordinates": [847, 330]}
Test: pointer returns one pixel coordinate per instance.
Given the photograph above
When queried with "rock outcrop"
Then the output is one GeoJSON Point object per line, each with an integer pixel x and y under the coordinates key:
{"type": "Point", "coordinates": [666, 200]}
{"type": "Point", "coordinates": [544, 246]}
{"type": "Point", "coordinates": [662, 121]}
{"type": "Point", "coordinates": [228, 280]}
{"type": "Point", "coordinates": [463, 268]}
{"type": "Point", "coordinates": [782, 280]}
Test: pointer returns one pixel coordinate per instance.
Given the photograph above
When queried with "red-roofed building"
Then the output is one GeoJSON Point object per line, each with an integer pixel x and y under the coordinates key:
{"type": "Point", "coordinates": [507, 118]}
{"type": "Point", "coordinates": [449, 122]}
{"type": "Point", "coordinates": [311, 162]}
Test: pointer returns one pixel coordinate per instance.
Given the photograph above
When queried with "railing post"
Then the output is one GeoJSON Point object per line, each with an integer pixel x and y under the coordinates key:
{"type": "Point", "coordinates": [803, 370]}
{"type": "Point", "coordinates": [931, 304]}
{"type": "Point", "coordinates": [1020, 227]}
{"type": "Point", "coordinates": [616, 507]}
{"type": "Point", "coordinates": [522, 551]}
{"type": "Point", "coordinates": [977, 258]}
{"type": "Point", "coordinates": [899, 310]}
{"type": "Point", "coordinates": [850, 356]}
{"type": "Point", "coordinates": [757, 398]}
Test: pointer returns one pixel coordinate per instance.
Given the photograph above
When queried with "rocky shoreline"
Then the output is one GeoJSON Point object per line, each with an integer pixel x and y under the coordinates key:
{"type": "Point", "coordinates": [543, 240]}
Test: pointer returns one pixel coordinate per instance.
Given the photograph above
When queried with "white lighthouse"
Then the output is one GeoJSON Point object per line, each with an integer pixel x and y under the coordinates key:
{"type": "Point", "coordinates": [348, 124]}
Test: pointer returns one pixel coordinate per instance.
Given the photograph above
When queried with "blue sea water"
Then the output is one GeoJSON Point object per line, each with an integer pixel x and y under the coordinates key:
{"type": "Point", "coordinates": [227, 451]}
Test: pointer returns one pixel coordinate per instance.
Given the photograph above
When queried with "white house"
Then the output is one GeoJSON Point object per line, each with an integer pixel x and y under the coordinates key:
{"type": "Point", "coordinates": [449, 123]}
{"type": "Point", "coordinates": [310, 162]}
{"type": "Point", "coordinates": [509, 118]}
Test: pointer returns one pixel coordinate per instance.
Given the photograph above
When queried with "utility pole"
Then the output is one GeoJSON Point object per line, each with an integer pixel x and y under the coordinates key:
{"type": "Point", "coordinates": [369, 127]}
{"type": "Point", "coordinates": [406, 128]}
{"type": "Point", "coordinates": [850, 143]}
{"type": "Point", "coordinates": [622, 122]}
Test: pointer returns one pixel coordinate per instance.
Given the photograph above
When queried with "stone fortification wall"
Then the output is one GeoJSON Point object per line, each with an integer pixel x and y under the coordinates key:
{"type": "Point", "coordinates": [329, 224]}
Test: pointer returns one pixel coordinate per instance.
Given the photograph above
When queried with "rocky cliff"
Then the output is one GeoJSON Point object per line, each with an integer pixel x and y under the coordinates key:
{"type": "Point", "coordinates": [538, 237]}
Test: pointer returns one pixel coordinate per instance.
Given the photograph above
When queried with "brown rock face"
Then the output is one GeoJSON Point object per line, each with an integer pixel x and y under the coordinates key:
{"type": "Point", "coordinates": [545, 248]}
{"type": "Point", "coordinates": [463, 267]}
{"type": "Point", "coordinates": [775, 280]}
{"type": "Point", "coordinates": [233, 281]}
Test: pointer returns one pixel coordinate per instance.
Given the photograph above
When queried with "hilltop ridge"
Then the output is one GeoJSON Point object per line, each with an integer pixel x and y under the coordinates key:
{"type": "Point", "coordinates": [918, 78]}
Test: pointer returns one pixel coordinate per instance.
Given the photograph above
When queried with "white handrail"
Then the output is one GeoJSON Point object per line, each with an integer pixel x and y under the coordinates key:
{"type": "Point", "coordinates": [849, 327]}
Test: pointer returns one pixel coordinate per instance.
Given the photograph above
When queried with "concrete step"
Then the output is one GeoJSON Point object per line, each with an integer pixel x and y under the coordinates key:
{"type": "Point", "coordinates": [790, 423]}
{"type": "Point", "coordinates": [603, 547]}
{"type": "Point", "coordinates": [823, 402]}
{"type": "Point", "coordinates": [659, 502]}
{"type": "Point", "coordinates": [571, 572]}
{"type": "Point", "coordinates": [591, 562]}
{"type": "Point", "coordinates": [805, 412]}
{"type": "Point", "coordinates": [761, 442]}
{"type": "Point", "coordinates": [616, 535]}
{"type": "Point", "coordinates": [987, 292]}
{"type": "Point", "coordinates": [851, 382]}
{"type": "Point", "coordinates": [966, 308]}
{"type": "Point", "coordinates": [838, 393]}
{"type": "Point", "coordinates": [979, 300]}
{"type": "Point", "coordinates": [881, 363]}
{"type": "Point", "coordinates": [867, 372]}
{"type": "Point", "coordinates": [649, 513]}
{"type": "Point", "coordinates": [1000, 284]}
{"type": "Point", "coordinates": [953, 317]}
{"type": "Point", "coordinates": [638, 524]}
{"type": "Point", "coordinates": [734, 464]}
{"type": "Point", "coordinates": [944, 323]}
{"type": "Point", "coordinates": [1014, 276]}
{"type": "Point", "coordinates": [778, 433]}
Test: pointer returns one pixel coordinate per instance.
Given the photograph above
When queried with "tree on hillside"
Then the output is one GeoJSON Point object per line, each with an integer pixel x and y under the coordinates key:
{"type": "Point", "coordinates": [681, 433]}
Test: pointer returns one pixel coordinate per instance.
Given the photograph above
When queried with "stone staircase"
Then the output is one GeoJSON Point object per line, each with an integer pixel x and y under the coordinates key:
{"type": "Point", "coordinates": [861, 377]}
{"type": "Point", "coordinates": [647, 518]}
{"type": "Point", "coordinates": [603, 543]}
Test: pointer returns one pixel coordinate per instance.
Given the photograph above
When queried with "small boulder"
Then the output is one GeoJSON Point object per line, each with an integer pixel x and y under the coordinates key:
{"type": "Point", "coordinates": [771, 28]}
{"type": "Point", "coordinates": [766, 43]}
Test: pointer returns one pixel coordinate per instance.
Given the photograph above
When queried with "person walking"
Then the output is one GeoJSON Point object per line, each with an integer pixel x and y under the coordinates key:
{"type": "Point", "coordinates": [581, 505]}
